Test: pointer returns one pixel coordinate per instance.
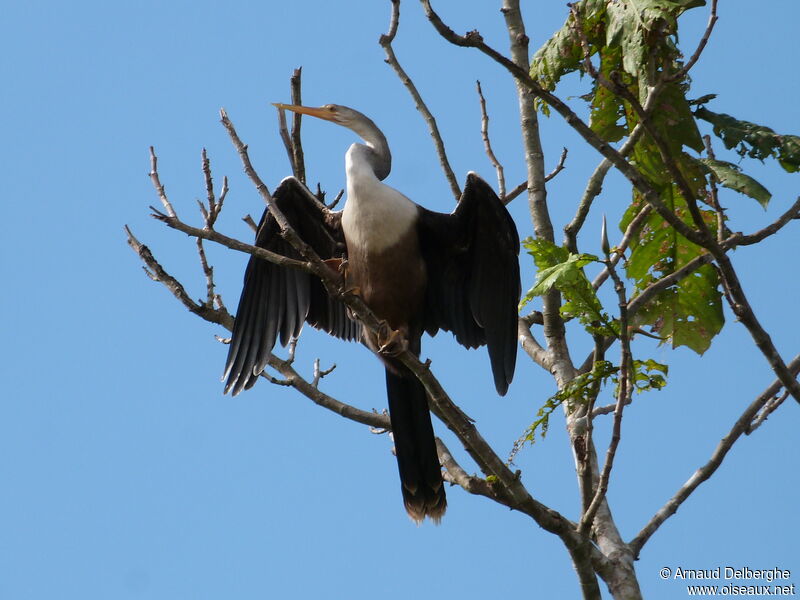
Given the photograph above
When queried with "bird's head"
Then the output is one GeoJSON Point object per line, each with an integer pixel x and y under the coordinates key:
{"type": "Point", "coordinates": [376, 150]}
{"type": "Point", "coordinates": [341, 115]}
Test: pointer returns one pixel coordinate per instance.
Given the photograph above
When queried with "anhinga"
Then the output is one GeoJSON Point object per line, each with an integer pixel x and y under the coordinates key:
{"type": "Point", "coordinates": [417, 270]}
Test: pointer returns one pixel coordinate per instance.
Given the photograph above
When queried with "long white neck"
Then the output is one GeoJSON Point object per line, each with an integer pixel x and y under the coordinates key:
{"type": "Point", "coordinates": [375, 215]}
{"type": "Point", "coordinates": [375, 150]}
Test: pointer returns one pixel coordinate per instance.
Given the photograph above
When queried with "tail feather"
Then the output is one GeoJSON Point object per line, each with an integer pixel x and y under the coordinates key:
{"type": "Point", "coordinates": [415, 445]}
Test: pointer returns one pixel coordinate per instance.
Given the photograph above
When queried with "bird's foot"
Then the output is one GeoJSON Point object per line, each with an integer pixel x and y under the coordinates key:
{"type": "Point", "coordinates": [351, 290]}
{"type": "Point", "coordinates": [339, 266]}
{"type": "Point", "coordinates": [336, 264]}
{"type": "Point", "coordinates": [391, 341]}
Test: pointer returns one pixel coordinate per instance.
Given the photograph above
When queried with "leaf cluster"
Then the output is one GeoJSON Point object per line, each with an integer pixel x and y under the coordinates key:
{"type": "Point", "coordinates": [634, 43]}
{"type": "Point", "coordinates": [558, 268]}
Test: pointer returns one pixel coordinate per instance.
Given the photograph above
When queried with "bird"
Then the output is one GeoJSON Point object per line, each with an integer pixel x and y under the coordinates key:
{"type": "Point", "coordinates": [417, 270]}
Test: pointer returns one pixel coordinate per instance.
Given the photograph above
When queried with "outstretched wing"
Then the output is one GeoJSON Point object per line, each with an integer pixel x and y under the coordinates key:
{"type": "Point", "coordinates": [473, 275]}
{"type": "Point", "coordinates": [276, 300]}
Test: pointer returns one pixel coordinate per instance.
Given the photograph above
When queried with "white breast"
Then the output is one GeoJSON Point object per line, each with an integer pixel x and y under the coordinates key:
{"type": "Point", "coordinates": [375, 216]}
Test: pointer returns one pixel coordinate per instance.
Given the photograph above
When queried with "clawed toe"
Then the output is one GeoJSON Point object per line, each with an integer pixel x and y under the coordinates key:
{"type": "Point", "coordinates": [392, 342]}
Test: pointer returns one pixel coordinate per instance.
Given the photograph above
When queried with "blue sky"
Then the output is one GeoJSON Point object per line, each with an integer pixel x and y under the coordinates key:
{"type": "Point", "coordinates": [127, 474]}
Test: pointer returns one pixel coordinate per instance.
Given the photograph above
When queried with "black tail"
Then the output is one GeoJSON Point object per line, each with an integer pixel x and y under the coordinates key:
{"type": "Point", "coordinates": [415, 445]}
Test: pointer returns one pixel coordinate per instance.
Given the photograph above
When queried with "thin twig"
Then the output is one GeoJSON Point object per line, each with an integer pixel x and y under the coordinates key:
{"type": "Point", "coordinates": [335, 201]}
{"type": "Point", "coordinates": [320, 373]}
{"type": "Point", "coordinates": [487, 144]}
{"type": "Point", "coordinates": [157, 273]}
{"type": "Point", "coordinates": [625, 390]}
{"type": "Point", "coordinates": [707, 470]}
{"type": "Point", "coordinates": [559, 166]}
{"type": "Point", "coordinates": [283, 130]}
{"type": "Point", "coordinates": [515, 192]}
{"type": "Point", "coordinates": [250, 222]}
{"type": "Point", "coordinates": [162, 194]}
{"type": "Point", "coordinates": [714, 195]}
{"type": "Point", "coordinates": [712, 19]}
{"type": "Point", "coordinates": [386, 43]}
{"type": "Point", "coordinates": [299, 160]}
{"type": "Point", "coordinates": [456, 475]}
{"type": "Point", "coordinates": [768, 409]}
{"type": "Point", "coordinates": [233, 244]}
{"type": "Point", "coordinates": [738, 239]}
{"type": "Point", "coordinates": [531, 346]}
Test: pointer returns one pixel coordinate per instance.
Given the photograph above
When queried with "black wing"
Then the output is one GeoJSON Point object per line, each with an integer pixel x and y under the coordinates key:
{"type": "Point", "coordinates": [473, 275]}
{"type": "Point", "coordinates": [276, 300]}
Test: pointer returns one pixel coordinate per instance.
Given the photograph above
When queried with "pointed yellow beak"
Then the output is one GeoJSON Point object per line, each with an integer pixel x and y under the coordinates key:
{"type": "Point", "coordinates": [321, 113]}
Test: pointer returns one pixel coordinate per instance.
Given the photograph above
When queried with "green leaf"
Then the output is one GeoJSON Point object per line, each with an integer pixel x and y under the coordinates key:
{"type": "Point", "coordinates": [607, 108]}
{"type": "Point", "coordinates": [562, 53]}
{"type": "Point", "coordinates": [562, 275]}
{"type": "Point", "coordinates": [643, 30]}
{"type": "Point", "coordinates": [649, 375]}
{"type": "Point", "coordinates": [564, 271]}
{"type": "Point", "coordinates": [731, 177]}
{"type": "Point", "coordinates": [580, 390]}
{"type": "Point", "coordinates": [755, 141]}
{"type": "Point", "coordinates": [689, 313]}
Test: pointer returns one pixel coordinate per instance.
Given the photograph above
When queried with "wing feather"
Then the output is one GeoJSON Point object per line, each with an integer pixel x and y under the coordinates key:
{"type": "Point", "coordinates": [275, 300]}
{"type": "Point", "coordinates": [473, 275]}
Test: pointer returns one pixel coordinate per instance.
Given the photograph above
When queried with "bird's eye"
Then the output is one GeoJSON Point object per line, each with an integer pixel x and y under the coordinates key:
{"type": "Point", "coordinates": [330, 107]}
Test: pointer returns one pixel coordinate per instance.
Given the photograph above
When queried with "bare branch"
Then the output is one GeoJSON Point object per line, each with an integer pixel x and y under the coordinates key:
{"type": "Point", "coordinates": [623, 398]}
{"type": "Point", "coordinates": [532, 348]}
{"type": "Point", "coordinates": [714, 195]}
{"type": "Point", "coordinates": [162, 194]}
{"type": "Point", "coordinates": [249, 220]}
{"type": "Point", "coordinates": [283, 130]}
{"type": "Point", "coordinates": [738, 239]}
{"type": "Point", "coordinates": [208, 271]}
{"type": "Point", "coordinates": [458, 476]}
{"type": "Point", "coordinates": [487, 144]}
{"type": "Point", "coordinates": [335, 201]}
{"type": "Point", "coordinates": [712, 19]}
{"type": "Point", "coordinates": [740, 306]}
{"type": "Point", "coordinates": [233, 244]}
{"type": "Point", "coordinates": [157, 273]}
{"type": "Point", "coordinates": [741, 426]}
{"type": "Point", "coordinates": [386, 43]}
{"type": "Point", "coordinates": [559, 166]}
{"type": "Point", "coordinates": [210, 214]}
{"type": "Point", "coordinates": [320, 373]}
{"type": "Point", "coordinates": [299, 161]}
{"type": "Point", "coordinates": [770, 407]}
{"type": "Point", "coordinates": [515, 192]}
{"type": "Point", "coordinates": [593, 188]}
